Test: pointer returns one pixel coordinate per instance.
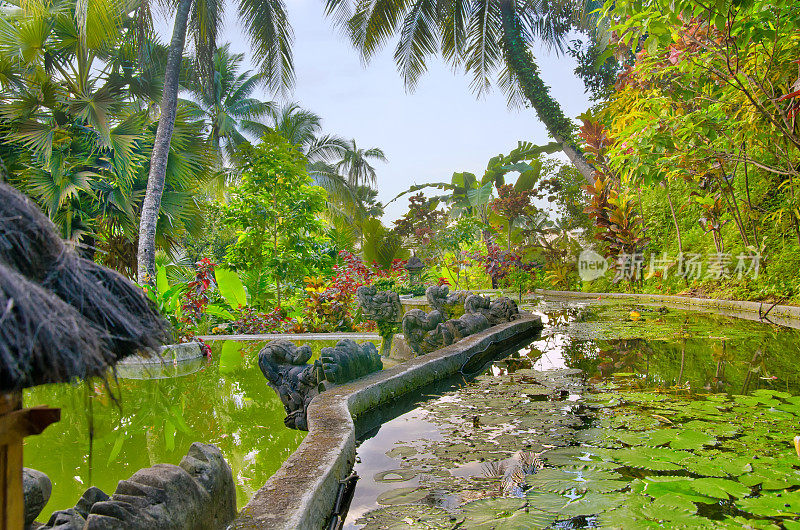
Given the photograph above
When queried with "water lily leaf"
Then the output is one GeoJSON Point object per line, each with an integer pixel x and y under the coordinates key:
{"type": "Point", "coordinates": [627, 517]}
{"type": "Point", "coordinates": [736, 523]}
{"type": "Point", "coordinates": [705, 466]}
{"type": "Point", "coordinates": [720, 488]}
{"type": "Point", "coordinates": [652, 458]}
{"type": "Point", "coordinates": [401, 452]}
{"type": "Point", "coordinates": [769, 393]}
{"type": "Point", "coordinates": [402, 496]}
{"type": "Point", "coordinates": [689, 439]}
{"type": "Point", "coordinates": [658, 487]}
{"type": "Point", "coordinates": [737, 465]}
{"type": "Point", "coordinates": [553, 480]}
{"type": "Point", "coordinates": [772, 478]}
{"type": "Point", "coordinates": [405, 517]}
{"type": "Point", "coordinates": [395, 475]}
{"type": "Point", "coordinates": [785, 504]}
{"type": "Point", "coordinates": [548, 502]}
{"type": "Point", "coordinates": [592, 503]}
{"type": "Point", "coordinates": [486, 511]}
{"type": "Point", "coordinates": [670, 507]}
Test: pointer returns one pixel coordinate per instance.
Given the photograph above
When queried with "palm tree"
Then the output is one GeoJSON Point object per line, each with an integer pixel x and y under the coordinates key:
{"type": "Point", "coordinates": [355, 164]}
{"type": "Point", "coordinates": [270, 34]}
{"type": "Point", "coordinates": [299, 126]}
{"type": "Point", "coordinates": [303, 128]}
{"type": "Point", "coordinates": [77, 136]}
{"type": "Point", "coordinates": [485, 38]}
{"type": "Point", "coordinates": [227, 106]}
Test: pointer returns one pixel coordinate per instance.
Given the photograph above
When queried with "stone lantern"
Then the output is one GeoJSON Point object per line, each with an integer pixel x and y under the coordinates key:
{"type": "Point", "coordinates": [414, 268]}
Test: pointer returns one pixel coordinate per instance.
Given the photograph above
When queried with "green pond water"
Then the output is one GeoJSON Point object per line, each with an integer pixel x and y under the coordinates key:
{"type": "Point", "coordinates": [224, 401]}
{"type": "Point", "coordinates": [620, 416]}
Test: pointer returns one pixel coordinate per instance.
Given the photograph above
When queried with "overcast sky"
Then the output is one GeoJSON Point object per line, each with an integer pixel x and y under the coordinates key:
{"type": "Point", "coordinates": [427, 135]}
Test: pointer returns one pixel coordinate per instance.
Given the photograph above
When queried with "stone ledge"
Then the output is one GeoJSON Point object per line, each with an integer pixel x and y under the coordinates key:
{"type": "Point", "coordinates": [296, 336]}
{"type": "Point", "coordinates": [784, 315]}
{"type": "Point", "coordinates": [184, 351]}
{"type": "Point", "coordinates": [301, 494]}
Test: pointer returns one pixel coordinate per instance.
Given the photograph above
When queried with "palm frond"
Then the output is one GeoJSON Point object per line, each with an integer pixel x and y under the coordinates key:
{"type": "Point", "coordinates": [417, 42]}
{"type": "Point", "coordinates": [271, 38]}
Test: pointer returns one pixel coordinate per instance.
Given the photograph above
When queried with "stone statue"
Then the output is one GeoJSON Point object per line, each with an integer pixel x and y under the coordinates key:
{"type": "Point", "coordinates": [348, 361]}
{"type": "Point", "coordinates": [425, 332]}
{"type": "Point", "coordinates": [466, 325]}
{"type": "Point", "coordinates": [450, 305]}
{"type": "Point", "coordinates": [284, 364]}
{"type": "Point", "coordinates": [383, 307]}
{"type": "Point", "coordinates": [197, 494]}
{"type": "Point", "coordinates": [380, 306]}
{"type": "Point", "coordinates": [499, 311]}
{"type": "Point", "coordinates": [36, 489]}
{"type": "Point", "coordinates": [416, 325]}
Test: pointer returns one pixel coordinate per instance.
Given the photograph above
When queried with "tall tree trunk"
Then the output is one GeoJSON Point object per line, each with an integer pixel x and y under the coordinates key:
{"type": "Point", "coordinates": [158, 162]}
{"type": "Point", "coordinates": [520, 61]}
{"type": "Point", "coordinates": [674, 218]}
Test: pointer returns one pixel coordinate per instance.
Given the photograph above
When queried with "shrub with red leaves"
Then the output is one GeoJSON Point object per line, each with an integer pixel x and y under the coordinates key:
{"type": "Point", "coordinates": [195, 299]}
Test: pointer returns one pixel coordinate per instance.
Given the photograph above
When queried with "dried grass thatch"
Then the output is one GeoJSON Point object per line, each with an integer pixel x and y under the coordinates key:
{"type": "Point", "coordinates": [108, 318]}
{"type": "Point", "coordinates": [29, 243]}
{"type": "Point", "coordinates": [42, 338]}
{"type": "Point", "coordinates": [110, 302]}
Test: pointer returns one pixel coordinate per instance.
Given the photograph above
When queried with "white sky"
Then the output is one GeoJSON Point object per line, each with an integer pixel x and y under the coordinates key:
{"type": "Point", "coordinates": [439, 129]}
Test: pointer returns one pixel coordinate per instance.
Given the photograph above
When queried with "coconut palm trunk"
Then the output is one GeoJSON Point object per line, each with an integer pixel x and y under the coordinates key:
{"type": "Point", "coordinates": [158, 161]}
{"type": "Point", "coordinates": [521, 63]}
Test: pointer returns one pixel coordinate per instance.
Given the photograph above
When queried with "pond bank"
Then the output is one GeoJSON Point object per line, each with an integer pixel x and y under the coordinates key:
{"type": "Point", "coordinates": [303, 491]}
{"type": "Point", "coordinates": [782, 315]}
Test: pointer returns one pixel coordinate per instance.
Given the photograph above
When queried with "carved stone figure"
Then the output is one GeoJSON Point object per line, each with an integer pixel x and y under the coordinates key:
{"type": "Point", "coordinates": [466, 325]}
{"type": "Point", "coordinates": [348, 361]}
{"type": "Point", "coordinates": [284, 364]}
{"type": "Point", "coordinates": [385, 308]}
{"type": "Point", "coordinates": [36, 489]}
{"type": "Point", "coordinates": [451, 305]}
{"type": "Point", "coordinates": [416, 325]}
{"type": "Point", "coordinates": [380, 306]}
{"type": "Point", "coordinates": [198, 494]}
{"type": "Point", "coordinates": [425, 332]}
{"type": "Point", "coordinates": [501, 310]}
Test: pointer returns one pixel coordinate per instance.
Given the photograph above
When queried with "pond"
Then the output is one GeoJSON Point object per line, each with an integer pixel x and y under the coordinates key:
{"type": "Point", "coordinates": [224, 401]}
{"type": "Point", "coordinates": [620, 416]}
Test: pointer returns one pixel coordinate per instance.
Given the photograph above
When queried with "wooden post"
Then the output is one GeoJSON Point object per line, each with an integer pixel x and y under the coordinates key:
{"type": "Point", "coordinates": [12, 508]}
{"type": "Point", "coordinates": [15, 424]}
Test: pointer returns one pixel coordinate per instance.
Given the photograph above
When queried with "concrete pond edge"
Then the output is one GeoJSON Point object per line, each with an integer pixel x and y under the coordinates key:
{"type": "Point", "coordinates": [784, 315]}
{"type": "Point", "coordinates": [302, 493]}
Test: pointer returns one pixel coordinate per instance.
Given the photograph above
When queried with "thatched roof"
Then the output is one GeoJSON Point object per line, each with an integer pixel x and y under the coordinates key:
{"type": "Point", "coordinates": [62, 316]}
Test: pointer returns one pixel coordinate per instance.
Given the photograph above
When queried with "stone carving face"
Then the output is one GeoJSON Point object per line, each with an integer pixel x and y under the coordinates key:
{"type": "Point", "coordinates": [426, 332]}
{"type": "Point", "coordinates": [451, 305]}
{"type": "Point", "coordinates": [198, 494]}
{"type": "Point", "coordinates": [297, 383]}
{"type": "Point", "coordinates": [381, 306]}
{"type": "Point", "coordinates": [500, 310]}
{"type": "Point", "coordinates": [417, 324]}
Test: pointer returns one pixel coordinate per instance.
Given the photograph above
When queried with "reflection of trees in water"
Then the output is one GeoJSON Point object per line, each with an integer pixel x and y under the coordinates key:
{"type": "Point", "coordinates": [156, 421]}
{"type": "Point", "coordinates": [734, 365]}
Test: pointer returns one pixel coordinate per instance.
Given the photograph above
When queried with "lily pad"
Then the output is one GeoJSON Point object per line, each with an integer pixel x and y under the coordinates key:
{"type": "Point", "coordinates": [720, 488]}
{"type": "Point", "coordinates": [786, 504]}
{"type": "Point", "coordinates": [670, 507]}
{"type": "Point", "coordinates": [395, 475]}
{"type": "Point", "coordinates": [402, 496]}
{"type": "Point", "coordinates": [401, 452]}
{"type": "Point", "coordinates": [592, 503]}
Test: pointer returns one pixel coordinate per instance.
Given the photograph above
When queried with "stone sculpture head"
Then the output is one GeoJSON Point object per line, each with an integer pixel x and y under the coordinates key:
{"type": "Point", "coordinates": [198, 494]}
